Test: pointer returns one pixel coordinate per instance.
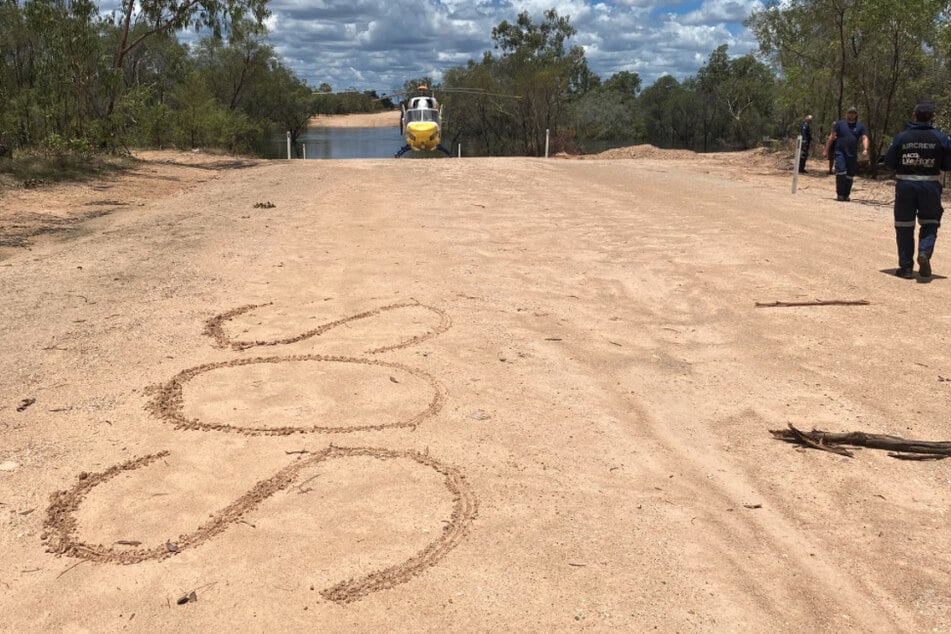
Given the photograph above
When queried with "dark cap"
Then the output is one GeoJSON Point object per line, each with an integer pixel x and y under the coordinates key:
{"type": "Point", "coordinates": [853, 109]}
{"type": "Point", "coordinates": [924, 107]}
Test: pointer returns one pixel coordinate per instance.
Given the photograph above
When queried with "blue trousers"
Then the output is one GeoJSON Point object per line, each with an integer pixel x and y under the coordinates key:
{"type": "Point", "coordinates": [921, 200]}
{"type": "Point", "coordinates": [845, 168]}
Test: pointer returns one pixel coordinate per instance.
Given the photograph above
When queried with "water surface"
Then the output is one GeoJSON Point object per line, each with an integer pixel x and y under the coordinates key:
{"type": "Point", "coordinates": [342, 143]}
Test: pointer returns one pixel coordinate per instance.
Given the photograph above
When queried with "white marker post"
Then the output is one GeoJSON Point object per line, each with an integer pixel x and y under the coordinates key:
{"type": "Point", "coordinates": [304, 149]}
{"type": "Point", "coordinates": [288, 145]}
{"type": "Point", "coordinates": [795, 166]}
{"type": "Point", "coordinates": [546, 142]}
{"type": "Point", "coordinates": [459, 155]}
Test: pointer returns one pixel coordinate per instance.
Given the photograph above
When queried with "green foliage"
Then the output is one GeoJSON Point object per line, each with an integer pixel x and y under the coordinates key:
{"type": "Point", "coordinates": [879, 55]}
{"type": "Point", "coordinates": [478, 109]}
{"type": "Point", "coordinates": [73, 81]}
{"type": "Point", "coordinates": [609, 111]}
{"type": "Point", "coordinates": [236, 68]}
{"type": "Point", "coordinates": [534, 64]}
{"type": "Point", "coordinates": [155, 126]}
{"type": "Point", "coordinates": [52, 61]}
{"type": "Point", "coordinates": [625, 83]}
{"type": "Point", "coordinates": [736, 98]}
{"type": "Point", "coordinates": [287, 101]}
{"type": "Point", "coordinates": [55, 145]}
{"type": "Point", "coordinates": [199, 120]}
{"type": "Point", "coordinates": [667, 108]}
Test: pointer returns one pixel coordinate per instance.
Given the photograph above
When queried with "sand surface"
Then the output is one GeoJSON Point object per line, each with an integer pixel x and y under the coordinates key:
{"type": "Point", "coordinates": [245, 395]}
{"type": "Point", "coordinates": [371, 120]}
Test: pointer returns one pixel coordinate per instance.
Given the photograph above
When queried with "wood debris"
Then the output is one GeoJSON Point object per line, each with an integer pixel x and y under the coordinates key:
{"type": "Point", "coordinates": [191, 597]}
{"type": "Point", "coordinates": [815, 302]}
{"type": "Point", "coordinates": [832, 441]}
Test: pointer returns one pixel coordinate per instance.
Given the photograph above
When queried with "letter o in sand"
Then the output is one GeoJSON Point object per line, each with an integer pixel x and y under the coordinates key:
{"type": "Point", "coordinates": [300, 394]}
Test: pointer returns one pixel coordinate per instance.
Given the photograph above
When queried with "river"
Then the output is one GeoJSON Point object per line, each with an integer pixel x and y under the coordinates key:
{"type": "Point", "coordinates": [341, 143]}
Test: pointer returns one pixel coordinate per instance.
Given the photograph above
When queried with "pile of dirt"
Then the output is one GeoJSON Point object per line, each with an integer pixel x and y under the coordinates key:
{"type": "Point", "coordinates": [643, 151]}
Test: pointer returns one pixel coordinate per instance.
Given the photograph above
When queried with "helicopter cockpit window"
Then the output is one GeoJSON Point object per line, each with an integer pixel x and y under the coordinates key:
{"type": "Point", "coordinates": [422, 114]}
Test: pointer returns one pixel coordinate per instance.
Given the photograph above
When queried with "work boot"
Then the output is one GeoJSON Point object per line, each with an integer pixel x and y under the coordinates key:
{"type": "Point", "coordinates": [924, 265]}
{"type": "Point", "coordinates": [905, 272]}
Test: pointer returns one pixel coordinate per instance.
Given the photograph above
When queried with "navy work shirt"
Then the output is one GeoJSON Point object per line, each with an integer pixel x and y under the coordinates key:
{"type": "Point", "coordinates": [805, 130]}
{"type": "Point", "coordinates": [920, 150]}
{"type": "Point", "coordinates": [847, 136]}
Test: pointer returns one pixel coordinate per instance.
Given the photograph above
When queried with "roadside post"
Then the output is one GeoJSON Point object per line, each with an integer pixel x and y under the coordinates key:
{"type": "Point", "coordinates": [288, 145]}
{"type": "Point", "coordinates": [546, 142]}
{"type": "Point", "coordinates": [795, 164]}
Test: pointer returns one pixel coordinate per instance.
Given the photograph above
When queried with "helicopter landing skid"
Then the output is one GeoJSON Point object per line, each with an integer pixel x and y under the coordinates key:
{"type": "Point", "coordinates": [406, 148]}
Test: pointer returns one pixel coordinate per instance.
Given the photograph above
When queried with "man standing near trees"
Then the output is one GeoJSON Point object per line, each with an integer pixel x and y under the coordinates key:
{"type": "Point", "coordinates": [805, 131]}
{"type": "Point", "coordinates": [845, 137]}
{"type": "Point", "coordinates": [918, 155]}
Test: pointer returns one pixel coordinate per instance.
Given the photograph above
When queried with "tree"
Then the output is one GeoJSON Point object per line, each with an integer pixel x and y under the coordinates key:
{"type": "Point", "coordinates": [666, 110]}
{"type": "Point", "coordinates": [288, 101]}
{"type": "Point", "coordinates": [233, 68]}
{"type": "Point", "coordinates": [536, 65]}
{"type": "Point", "coordinates": [195, 111]}
{"type": "Point", "coordinates": [477, 107]}
{"type": "Point", "coordinates": [168, 16]}
{"type": "Point", "coordinates": [609, 111]}
{"type": "Point", "coordinates": [888, 51]}
{"type": "Point", "coordinates": [51, 52]}
{"type": "Point", "coordinates": [876, 54]}
{"type": "Point", "coordinates": [624, 82]}
{"type": "Point", "coordinates": [736, 100]}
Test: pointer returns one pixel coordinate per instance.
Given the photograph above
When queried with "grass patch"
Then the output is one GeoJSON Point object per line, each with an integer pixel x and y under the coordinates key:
{"type": "Point", "coordinates": [25, 168]}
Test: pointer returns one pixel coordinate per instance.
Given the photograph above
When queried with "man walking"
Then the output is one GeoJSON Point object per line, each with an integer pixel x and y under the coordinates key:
{"type": "Point", "coordinates": [805, 131]}
{"type": "Point", "coordinates": [845, 137]}
{"type": "Point", "coordinates": [918, 155]}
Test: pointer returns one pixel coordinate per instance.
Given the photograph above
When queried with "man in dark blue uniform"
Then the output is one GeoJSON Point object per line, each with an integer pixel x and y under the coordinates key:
{"type": "Point", "coordinates": [845, 136]}
{"type": "Point", "coordinates": [918, 155]}
{"type": "Point", "coordinates": [805, 131]}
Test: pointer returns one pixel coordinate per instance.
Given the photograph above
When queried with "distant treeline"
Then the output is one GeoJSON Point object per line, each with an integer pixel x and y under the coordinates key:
{"type": "Point", "coordinates": [816, 57]}
{"type": "Point", "coordinates": [350, 102]}
{"type": "Point", "coordinates": [75, 79]}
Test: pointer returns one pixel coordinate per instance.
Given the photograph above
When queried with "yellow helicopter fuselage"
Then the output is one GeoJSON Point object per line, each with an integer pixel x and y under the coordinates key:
{"type": "Point", "coordinates": [422, 136]}
{"type": "Point", "coordinates": [423, 119]}
{"type": "Point", "coordinates": [421, 123]}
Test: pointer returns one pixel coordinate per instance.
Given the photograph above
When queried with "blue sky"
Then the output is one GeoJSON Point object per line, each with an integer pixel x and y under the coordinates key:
{"type": "Point", "coordinates": [379, 44]}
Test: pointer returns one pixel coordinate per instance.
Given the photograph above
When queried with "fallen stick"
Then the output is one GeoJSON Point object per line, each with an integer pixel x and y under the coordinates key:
{"type": "Point", "coordinates": [914, 456]}
{"type": "Point", "coordinates": [816, 302]}
{"type": "Point", "coordinates": [830, 441]}
{"type": "Point", "coordinates": [815, 440]}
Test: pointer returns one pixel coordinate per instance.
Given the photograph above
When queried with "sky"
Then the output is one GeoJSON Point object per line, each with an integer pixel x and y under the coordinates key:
{"type": "Point", "coordinates": [380, 44]}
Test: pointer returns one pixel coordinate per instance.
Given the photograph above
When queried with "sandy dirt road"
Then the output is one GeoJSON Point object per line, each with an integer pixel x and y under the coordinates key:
{"type": "Point", "coordinates": [468, 395]}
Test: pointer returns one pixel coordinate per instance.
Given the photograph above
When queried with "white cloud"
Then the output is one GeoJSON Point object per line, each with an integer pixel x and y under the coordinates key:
{"type": "Point", "coordinates": [379, 44]}
{"type": "Point", "coordinates": [713, 11]}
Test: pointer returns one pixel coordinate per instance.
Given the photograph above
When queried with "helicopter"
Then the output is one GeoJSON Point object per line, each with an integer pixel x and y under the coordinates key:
{"type": "Point", "coordinates": [421, 124]}
{"type": "Point", "coordinates": [421, 117]}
